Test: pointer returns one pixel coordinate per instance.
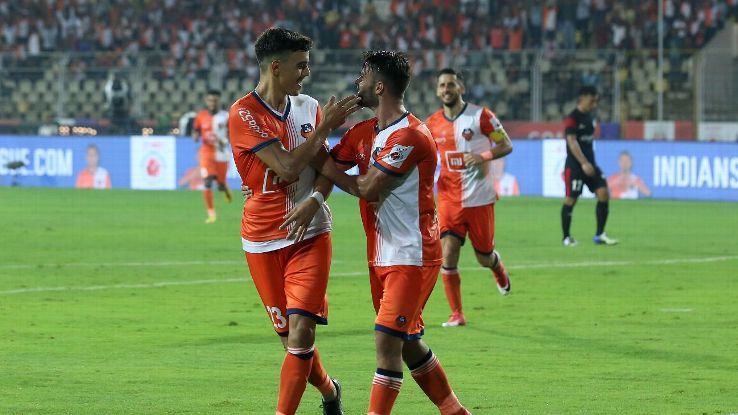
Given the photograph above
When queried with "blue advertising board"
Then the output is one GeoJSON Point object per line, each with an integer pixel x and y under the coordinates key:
{"type": "Point", "coordinates": [634, 169]}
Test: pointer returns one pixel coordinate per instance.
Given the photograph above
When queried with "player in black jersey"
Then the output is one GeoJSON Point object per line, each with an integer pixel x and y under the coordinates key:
{"type": "Point", "coordinates": [581, 168]}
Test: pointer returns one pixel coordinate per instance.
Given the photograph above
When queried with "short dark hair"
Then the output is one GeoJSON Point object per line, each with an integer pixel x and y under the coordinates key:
{"type": "Point", "coordinates": [588, 90]}
{"type": "Point", "coordinates": [392, 67]}
{"type": "Point", "coordinates": [214, 92]}
{"type": "Point", "coordinates": [451, 71]}
{"type": "Point", "coordinates": [277, 40]}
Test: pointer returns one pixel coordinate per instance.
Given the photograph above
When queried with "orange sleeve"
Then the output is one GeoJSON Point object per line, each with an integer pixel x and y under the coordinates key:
{"type": "Point", "coordinates": [401, 152]}
{"type": "Point", "coordinates": [488, 122]}
{"type": "Point", "coordinates": [249, 130]}
{"type": "Point", "coordinates": [344, 152]}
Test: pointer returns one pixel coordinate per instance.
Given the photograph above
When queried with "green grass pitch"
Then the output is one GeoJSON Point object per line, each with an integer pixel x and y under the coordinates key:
{"type": "Point", "coordinates": [125, 302]}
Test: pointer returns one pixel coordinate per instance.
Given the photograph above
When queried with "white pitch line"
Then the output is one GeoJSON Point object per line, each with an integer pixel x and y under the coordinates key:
{"type": "Point", "coordinates": [148, 285]}
{"type": "Point", "coordinates": [676, 310]}
{"type": "Point", "coordinates": [343, 274]}
{"type": "Point", "coordinates": [622, 263]}
{"type": "Point", "coordinates": [129, 264]}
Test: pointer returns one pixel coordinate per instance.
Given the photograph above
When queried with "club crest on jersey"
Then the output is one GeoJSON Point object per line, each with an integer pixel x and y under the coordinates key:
{"type": "Point", "coordinates": [397, 155]}
{"type": "Point", "coordinates": [467, 134]}
{"type": "Point", "coordinates": [306, 129]}
{"type": "Point", "coordinates": [361, 154]}
{"type": "Point", "coordinates": [401, 320]}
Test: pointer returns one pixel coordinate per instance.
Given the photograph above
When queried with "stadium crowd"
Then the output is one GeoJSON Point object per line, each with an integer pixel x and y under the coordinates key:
{"type": "Point", "coordinates": [190, 31]}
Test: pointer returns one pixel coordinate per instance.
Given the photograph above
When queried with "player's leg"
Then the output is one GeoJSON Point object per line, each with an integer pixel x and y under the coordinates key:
{"type": "Point", "coordinates": [221, 173]}
{"type": "Point", "coordinates": [429, 374]}
{"type": "Point", "coordinates": [453, 232]}
{"type": "Point", "coordinates": [602, 210]}
{"type": "Point", "coordinates": [573, 181]}
{"type": "Point", "coordinates": [481, 220]}
{"type": "Point", "coordinates": [392, 293]}
{"type": "Point", "coordinates": [306, 280]}
{"type": "Point", "coordinates": [267, 273]}
{"type": "Point", "coordinates": [208, 174]}
{"type": "Point", "coordinates": [424, 366]}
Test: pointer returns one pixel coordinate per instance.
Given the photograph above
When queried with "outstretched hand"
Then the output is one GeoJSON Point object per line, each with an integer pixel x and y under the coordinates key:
{"type": "Point", "coordinates": [335, 112]}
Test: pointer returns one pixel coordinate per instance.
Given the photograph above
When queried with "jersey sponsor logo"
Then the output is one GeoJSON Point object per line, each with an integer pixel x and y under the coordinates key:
{"type": "Point", "coordinates": [274, 183]}
{"type": "Point", "coordinates": [441, 140]}
{"type": "Point", "coordinates": [586, 138]}
{"type": "Point", "coordinates": [397, 155]}
{"type": "Point", "coordinates": [467, 134]}
{"type": "Point", "coordinates": [251, 122]}
{"type": "Point", "coordinates": [306, 130]}
{"type": "Point", "coordinates": [455, 161]}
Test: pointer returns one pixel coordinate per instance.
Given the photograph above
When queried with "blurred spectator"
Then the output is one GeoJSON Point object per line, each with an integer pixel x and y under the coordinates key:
{"type": "Point", "coordinates": [192, 33]}
{"type": "Point", "coordinates": [118, 102]}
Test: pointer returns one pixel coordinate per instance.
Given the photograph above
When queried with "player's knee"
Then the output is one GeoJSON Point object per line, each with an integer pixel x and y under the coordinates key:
{"type": "Point", "coordinates": [302, 332]}
{"type": "Point", "coordinates": [488, 260]}
{"type": "Point", "coordinates": [604, 195]}
{"type": "Point", "coordinates": [389, 347]}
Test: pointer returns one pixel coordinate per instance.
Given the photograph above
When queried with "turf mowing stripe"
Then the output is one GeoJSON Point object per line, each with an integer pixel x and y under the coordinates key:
{"type": "Point", "coordinates": [356, 273]}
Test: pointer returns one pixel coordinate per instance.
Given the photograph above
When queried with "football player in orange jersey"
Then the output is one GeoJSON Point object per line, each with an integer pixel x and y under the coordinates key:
{"type": "Point", "coordinates": [209, 126]}
{"type": "Point", "coordinates": [278, 142]}
{"type": "Point", "coordinates": [469, 137]}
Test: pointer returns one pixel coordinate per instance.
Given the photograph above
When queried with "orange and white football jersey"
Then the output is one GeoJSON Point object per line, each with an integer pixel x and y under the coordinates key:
{"type": "Point", "coordinates": [253, 125]}
{"type": "Point", "coordinates": [405, 226]}
{"type": "Point", "coordinates": [467, 133]}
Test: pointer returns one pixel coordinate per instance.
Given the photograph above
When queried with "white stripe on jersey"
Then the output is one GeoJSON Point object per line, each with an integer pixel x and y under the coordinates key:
{"type": "Point", "coordinates": [477, 183]}
{"type": "Point", "coordinates": [398, 237]}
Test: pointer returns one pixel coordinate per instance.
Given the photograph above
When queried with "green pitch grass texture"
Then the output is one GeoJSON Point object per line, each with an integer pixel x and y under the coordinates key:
{"type": "Point", "coordinates": [125, 302]}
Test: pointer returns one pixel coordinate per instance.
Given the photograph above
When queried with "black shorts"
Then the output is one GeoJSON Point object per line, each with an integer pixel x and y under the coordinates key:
{"type": "Point", "coordinates": [575, 178]}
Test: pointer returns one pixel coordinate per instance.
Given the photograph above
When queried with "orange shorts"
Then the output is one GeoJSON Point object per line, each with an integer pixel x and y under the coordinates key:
{"type": "Point", "coordinates": [478, 221]}
{"type": "Point", "coordinates": [293, 280]}
{"type": "Point", "coordinates": [221, 170]}
{"type": "Point", "coordinates": [399, 294]}
{"type": "Point", "coordinates": [208, 165]}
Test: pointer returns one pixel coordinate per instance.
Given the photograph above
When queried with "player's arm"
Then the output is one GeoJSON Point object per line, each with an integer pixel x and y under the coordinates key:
{"type": "Point", "coordinates": [289, 164]}
{"type": "Point", "coordinates": [570, 132]}
{"type": "Point", "coordinates": [501, 145]}
{"type": "Point", "coordinates": [576, 151]}
{"type": "Point", "coordinates": [400, 154]}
